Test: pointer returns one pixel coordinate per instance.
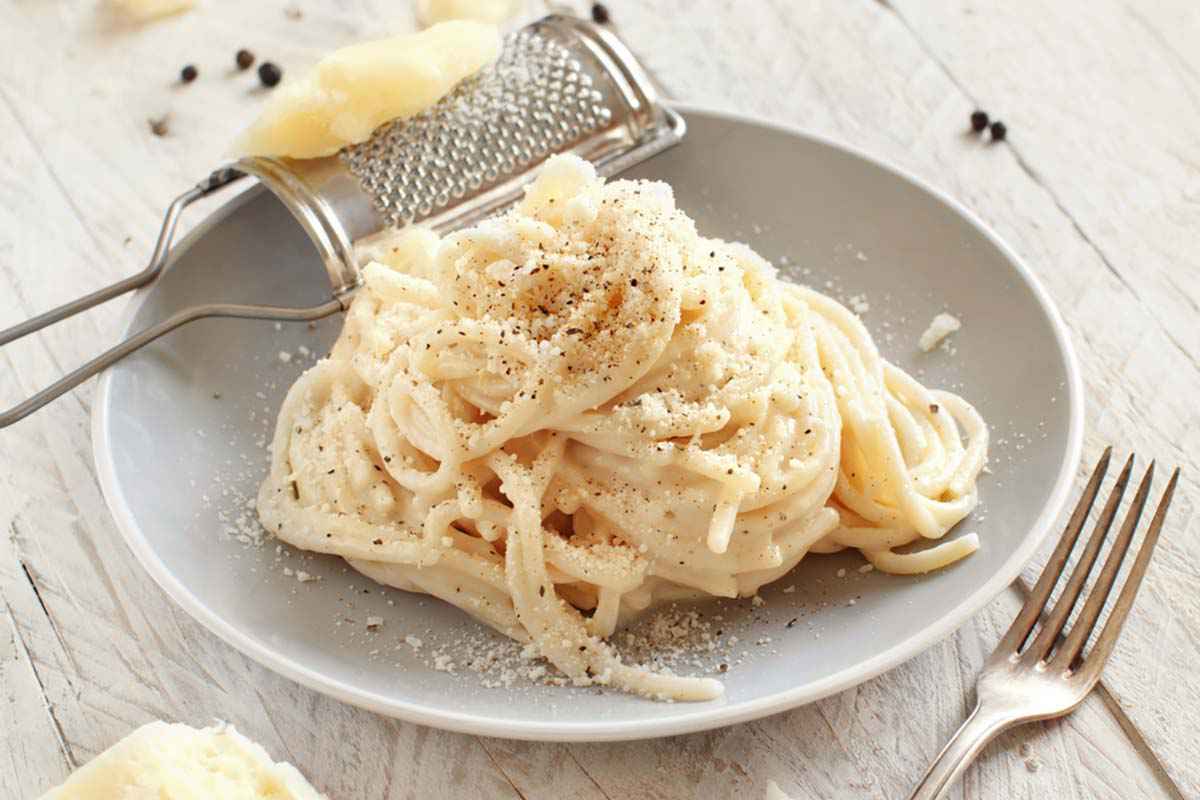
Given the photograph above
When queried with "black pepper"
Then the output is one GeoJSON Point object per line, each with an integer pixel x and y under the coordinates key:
{"type": "Point", "coordinates": [999, 131]}
{"type": "Point", "coordinates": [979, 121]}
{"type": "Point", "coordinates": [269, 74]}
{"type": "Point", "coordinates": [244, 58]}
{"type": "Point", "coordinates": [189, 73]}
{"type": "Point", "coordinates": [158, 126]}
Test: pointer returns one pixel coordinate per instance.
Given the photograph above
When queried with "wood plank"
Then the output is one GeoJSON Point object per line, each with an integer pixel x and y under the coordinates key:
{"type": "Point", "coordinates": [34, 757]}
{"type": "Point", "coordinates": [1104, 109]}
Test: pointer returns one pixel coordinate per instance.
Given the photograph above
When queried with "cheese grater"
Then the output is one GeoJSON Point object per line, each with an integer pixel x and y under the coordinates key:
{"type": "Point", "coordinates": [559, 85]}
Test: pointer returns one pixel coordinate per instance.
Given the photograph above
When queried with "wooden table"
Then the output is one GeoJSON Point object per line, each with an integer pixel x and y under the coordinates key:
{"type": "Point", "coordinates": [1097, 187]}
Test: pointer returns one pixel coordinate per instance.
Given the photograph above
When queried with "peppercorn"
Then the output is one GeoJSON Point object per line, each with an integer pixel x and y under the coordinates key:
{"type": "Point", "coordinates": [245, 59]}
{"type": "Point", "coordinates": [600, 14]}
{"type": "Point", "coordinates": [999, 131]}
{"type": "Point", "coordinates": [189, 73]}
{"type": "Point", "coordinates": [979, 121]}
{"type": "Point", "coordinates": [269, 74]}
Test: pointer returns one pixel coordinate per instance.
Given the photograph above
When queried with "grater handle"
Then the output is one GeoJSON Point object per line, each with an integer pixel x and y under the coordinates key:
{"type": "Point", "coordinates": [215, 181]}
{"type": "Point", "coordinates": [142, 338]}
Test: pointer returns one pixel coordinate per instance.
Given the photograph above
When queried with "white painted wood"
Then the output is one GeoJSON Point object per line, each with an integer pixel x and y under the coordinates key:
{"type": "Point", "coordinates": [90, 646]}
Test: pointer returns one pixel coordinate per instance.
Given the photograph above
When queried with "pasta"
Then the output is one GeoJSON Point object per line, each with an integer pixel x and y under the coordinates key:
{"type": "Point", "coordinates": [582, 407]}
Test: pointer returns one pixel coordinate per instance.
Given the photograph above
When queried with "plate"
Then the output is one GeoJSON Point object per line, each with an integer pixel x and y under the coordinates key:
{"type": "Point", "coordinates": [179, 430]}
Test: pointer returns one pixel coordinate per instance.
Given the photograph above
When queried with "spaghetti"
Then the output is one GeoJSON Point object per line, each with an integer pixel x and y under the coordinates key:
{"type": "Point", "coordinates": [582, 407]}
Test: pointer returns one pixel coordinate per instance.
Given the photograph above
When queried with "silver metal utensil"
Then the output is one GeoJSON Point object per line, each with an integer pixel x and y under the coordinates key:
{"type": "Point", "coordinates": [1030, 677]}
{"type": "Point", "coordinates": [560, 85]}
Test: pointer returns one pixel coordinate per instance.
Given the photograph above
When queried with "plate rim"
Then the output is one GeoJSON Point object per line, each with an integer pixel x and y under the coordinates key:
{"type": "Point", "coordinates": [703, 718]}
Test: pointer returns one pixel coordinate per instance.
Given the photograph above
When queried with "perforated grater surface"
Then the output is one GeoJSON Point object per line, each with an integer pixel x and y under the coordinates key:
{"type": "Point", "coordinates": [560, 85]}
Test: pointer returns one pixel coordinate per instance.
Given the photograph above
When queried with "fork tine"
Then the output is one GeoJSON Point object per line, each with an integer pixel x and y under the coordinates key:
{"type": "Point", "coordinates": [1023, 624]}
{"type": "Point", "coordinates": [1053, 624]}
{"type": "Point", "coordinates": [1082, 629]}
{"type": "Point", "coordinates": [1103, 647]}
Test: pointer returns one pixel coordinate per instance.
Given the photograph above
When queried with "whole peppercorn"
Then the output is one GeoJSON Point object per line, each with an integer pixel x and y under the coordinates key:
{"type": "Point", "coordinates": [245, 59]}
{"type": "Point", "coordinates": [979, 121]}
{"type": "Point", "coordinates": [600, 14]}
{"type": "Point", "coordinates": [269, 74]}
{"type": "Point", "coordinates": [189, 73]}
{"type": "Point", "coordinates": [999, 131]}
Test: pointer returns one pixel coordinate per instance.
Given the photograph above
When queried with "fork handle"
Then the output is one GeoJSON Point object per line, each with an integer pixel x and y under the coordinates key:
{"type": "Point", "coordinates": [980, 728]}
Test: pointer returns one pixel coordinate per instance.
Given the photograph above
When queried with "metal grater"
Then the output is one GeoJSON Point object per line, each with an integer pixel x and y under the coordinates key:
{"type": "Point", "coordinates": [560, 85]}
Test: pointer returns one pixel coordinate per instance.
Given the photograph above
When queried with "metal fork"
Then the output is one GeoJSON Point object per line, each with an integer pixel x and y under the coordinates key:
{"type": "Point", "coordinates": [1023, 680]}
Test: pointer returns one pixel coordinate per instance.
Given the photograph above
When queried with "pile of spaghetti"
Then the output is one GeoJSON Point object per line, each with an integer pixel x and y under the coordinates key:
{"type": "Point", "coordinates": [582, 407]}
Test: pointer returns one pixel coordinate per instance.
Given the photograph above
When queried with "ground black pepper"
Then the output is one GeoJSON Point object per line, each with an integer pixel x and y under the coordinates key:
{"type": "Point", "coordinates": [999, 131]}
{"type": "Point", "coordinates": [245, 59]}
{"type": "Point", "coordinates": [600, 14]}
{"type": "Point", "coordinates": [979, 121]}
{"type": "Point", "coordinates": [189, 73]}
{"type": "Point", "coordinates": [269, 74]}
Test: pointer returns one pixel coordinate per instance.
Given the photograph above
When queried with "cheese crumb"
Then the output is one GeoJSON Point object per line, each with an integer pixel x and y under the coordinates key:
{"type": "Point", "coordinates": [942, 326]}
{"type": "Point", "coordinates": [148, 10]}
{"type": "Point", "coordinates": [354, 90]}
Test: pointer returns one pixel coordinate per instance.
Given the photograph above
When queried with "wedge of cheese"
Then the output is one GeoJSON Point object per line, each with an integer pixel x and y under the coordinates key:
{"type": "Point", "coordinates": [354, 90]}
{"type": "Point", "coordinates": [430, 12]}
{"type": "Point", "coordinates": [146, 10]}
{"type": "Point", "coordinates": [161, 761]}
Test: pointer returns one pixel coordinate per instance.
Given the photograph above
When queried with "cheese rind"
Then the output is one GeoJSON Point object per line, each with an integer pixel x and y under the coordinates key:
{"type": "Point", "coordinates": [354, 90]}
{"type": "Point", "coordinates": [162, 761]}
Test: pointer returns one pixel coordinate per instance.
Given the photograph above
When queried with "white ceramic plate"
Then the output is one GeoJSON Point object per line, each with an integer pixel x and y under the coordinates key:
{"type": "Point", "coordinates": [178, 428]}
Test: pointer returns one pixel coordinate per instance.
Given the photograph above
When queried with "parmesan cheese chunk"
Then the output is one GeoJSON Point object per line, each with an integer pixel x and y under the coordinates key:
{"type": "Point", "coordinates": [353, 91]}
{"type": "Point", "coordinates": [942, 326]}
{"type": "Point", "coordinates": [147, 10]}
{"type": "Point", "coordinates": [161, 761]}
{"type": "Point", "coordinates": [430, 12]}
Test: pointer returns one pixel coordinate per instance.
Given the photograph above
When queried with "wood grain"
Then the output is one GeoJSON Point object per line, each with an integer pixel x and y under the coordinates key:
{"type": "Point", "coordinates": [90, 647]}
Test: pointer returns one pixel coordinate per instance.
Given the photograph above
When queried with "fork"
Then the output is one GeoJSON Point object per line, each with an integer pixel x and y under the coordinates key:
{"type": "Point", "coordinates": [1024, 681]}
